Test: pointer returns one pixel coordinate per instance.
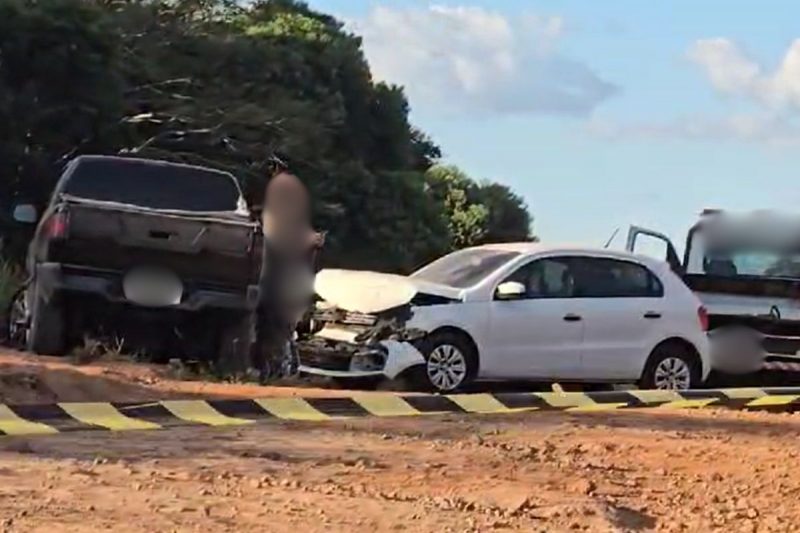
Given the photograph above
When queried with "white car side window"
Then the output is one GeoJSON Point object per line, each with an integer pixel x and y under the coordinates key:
{"type": "Point", "coordinates": [612, 278]}
{"type": "Point", "coordinates": [546, 278]}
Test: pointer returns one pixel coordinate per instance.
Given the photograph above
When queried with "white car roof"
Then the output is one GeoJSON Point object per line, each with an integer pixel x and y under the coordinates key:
{"type": "Point", "coordinates": [529, 248]}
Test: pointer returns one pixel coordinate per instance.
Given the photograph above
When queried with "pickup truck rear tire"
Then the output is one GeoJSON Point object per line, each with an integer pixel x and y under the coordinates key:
{"type": "Point", "coordinates": [47, 333]}
{"type": "Point", "coordinates": [235, 346]}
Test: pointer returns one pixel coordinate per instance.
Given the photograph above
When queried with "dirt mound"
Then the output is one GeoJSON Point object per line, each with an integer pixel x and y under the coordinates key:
{"type": "Point", "coordinates": [30, 379]}
{"type": "Point", "coordinates": [20, 386]}
{"type": "Point", "coordinates": [47, 382]}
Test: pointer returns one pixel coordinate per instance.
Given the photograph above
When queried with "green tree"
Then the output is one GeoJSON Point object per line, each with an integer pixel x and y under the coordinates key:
{"type": "Point", "coordinates": [59, 86]}
{"type": "Point", "coordinates": [508, 217]}
{"type": "Point", "coordinates": [228, 85]}
{"type": "Point", "coordinates": [478, 214]}
{"type": "Point", "coordinates": [466, 220]}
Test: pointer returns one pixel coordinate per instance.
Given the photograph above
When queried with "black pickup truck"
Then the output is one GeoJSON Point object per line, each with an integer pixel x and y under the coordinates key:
{"type": "Point", "coordinates": [162, 254]}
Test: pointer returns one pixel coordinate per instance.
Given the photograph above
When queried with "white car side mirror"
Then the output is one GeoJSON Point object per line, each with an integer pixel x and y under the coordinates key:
{"type": "Point", "coordinates": [510, 290]}
{"type": "Point", "coordinates": [25, 213]}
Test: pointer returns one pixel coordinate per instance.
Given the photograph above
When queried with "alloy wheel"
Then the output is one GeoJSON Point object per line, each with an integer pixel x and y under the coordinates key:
{"type": "Point", "coordinates": [673, 373]}
{"type": "Point", "coordinates": [446, 367]}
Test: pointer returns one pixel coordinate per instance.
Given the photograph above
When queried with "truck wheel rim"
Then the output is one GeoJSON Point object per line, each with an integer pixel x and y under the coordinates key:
{"type": "Point", "coordinates": [17, 321]}
{"type": "Point", "coordinates": [673, 374]}
{"type": "Point", "coordinates": [446, 367]}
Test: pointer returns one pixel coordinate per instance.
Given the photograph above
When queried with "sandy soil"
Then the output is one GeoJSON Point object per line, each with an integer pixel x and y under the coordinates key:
{"type": "Point", "coordinates": [626, 471]}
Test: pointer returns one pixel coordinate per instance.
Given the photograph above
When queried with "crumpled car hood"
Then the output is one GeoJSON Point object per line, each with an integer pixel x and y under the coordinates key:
{"type": "Point", "coordinates": [372, 292]}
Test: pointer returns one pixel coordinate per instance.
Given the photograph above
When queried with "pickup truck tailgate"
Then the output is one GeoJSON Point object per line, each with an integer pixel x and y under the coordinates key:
{"type": "Point", "coordinates": [216, 250]}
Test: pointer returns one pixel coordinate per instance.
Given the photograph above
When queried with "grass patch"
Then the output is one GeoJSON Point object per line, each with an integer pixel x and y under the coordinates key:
{"type": "Point", "coordinates": [100, 349]}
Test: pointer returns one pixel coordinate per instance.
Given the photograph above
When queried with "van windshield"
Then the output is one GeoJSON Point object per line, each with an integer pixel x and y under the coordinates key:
{"type": "Point", "coordinates": [760, 252]}
{"type": "Point", "coordinates": [752, 262]}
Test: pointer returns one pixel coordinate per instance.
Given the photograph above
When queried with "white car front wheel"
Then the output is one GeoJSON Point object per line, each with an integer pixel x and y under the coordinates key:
{"type": "Point", "coordinates": [450, 362]}
{"type": "Point", "coordinates": [446, 367]}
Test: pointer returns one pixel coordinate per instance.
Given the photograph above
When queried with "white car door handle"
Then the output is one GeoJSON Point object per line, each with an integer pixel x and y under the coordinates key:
{"type": "Point", "coordinates": [572, 317]}
{"type": "Point", "coordinates": [652, 315]}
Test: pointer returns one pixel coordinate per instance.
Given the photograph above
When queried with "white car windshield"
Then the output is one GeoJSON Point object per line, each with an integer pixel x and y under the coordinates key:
{"type": "Point", "coordinates": [464, 268]}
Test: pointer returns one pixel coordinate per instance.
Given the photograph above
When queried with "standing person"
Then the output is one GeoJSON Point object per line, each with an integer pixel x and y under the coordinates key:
{"type": "Point", "coordinates": [287, 271]}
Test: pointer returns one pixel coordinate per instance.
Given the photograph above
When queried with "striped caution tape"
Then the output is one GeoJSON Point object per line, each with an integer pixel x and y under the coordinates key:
{"type": "Point", "coordinates": [110, 416]}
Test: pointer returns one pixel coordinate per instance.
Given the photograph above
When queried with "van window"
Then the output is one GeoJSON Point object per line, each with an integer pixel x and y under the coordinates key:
{"type": "Point", "coordinates": [754, 246]}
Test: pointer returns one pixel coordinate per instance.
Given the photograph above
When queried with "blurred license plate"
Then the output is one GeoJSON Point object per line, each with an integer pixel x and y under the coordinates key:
{"type": "Point", "coordinates": [152, 287]}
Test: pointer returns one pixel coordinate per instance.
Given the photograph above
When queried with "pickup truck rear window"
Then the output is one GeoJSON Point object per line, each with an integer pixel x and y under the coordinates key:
{"type": "Point", "coordinates": [153, 185]}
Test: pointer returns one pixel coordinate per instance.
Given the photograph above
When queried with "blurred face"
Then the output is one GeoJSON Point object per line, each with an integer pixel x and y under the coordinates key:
{"type": "Point", "coordinates": [286, 201]}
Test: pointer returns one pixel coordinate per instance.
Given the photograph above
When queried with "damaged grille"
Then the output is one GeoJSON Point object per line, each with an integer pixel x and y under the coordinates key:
{"type": "Point", "coordinates": [325, 360]}
{"type": "Point", "coordinates": [326, 354]}
{"type": "Point", "coordinates": [359, 319]}
{"type": "Point", "coordinates": [338, 316]}
{"type": "Point", "coordinates": [368, 329]}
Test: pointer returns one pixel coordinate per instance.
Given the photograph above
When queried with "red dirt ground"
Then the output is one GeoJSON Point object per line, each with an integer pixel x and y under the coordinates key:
{"type": "Point", "coordinates": [623, 471]}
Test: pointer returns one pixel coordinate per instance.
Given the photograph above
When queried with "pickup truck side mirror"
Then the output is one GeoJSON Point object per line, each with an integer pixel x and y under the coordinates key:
{"type": "Point", "coordinates": [510, 290]}
{"type": "Point", "coordinates": [25, 213]}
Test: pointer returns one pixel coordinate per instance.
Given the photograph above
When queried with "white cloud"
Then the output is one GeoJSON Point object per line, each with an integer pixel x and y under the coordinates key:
{"type": "Point", "coordinates": [757, 128]}
{"type": "Point", "coordinates": [472, 60]}
{"type": "Point", "coordinates": [733, 72]}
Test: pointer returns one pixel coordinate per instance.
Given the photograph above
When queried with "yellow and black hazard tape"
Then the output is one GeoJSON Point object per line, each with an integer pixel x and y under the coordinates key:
{"type": "Point", "coordinates": [112, 416]}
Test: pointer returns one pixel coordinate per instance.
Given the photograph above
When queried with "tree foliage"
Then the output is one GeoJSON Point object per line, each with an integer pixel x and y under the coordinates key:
{"type": "Point", "coordinates": [228, 85]}
{"type": "Point", "coordinates": [478, 213]}
{"type": "Point", "coordinates": [508, 218]}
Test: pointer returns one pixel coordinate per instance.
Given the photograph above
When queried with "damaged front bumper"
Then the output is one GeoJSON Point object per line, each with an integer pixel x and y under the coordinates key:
{"type": "Point", "coordinates": [343, 353]}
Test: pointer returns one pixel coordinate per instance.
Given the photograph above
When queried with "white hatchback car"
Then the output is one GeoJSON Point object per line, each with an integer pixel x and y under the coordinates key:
{"type": "Point", "coordinates": [512, 312]}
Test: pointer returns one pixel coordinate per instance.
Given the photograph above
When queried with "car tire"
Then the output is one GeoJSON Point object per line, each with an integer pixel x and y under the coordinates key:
{"type": "Point", "coordinates": [236, 347]}
{"type": "Point", "coordinates": [451, 363]}
{"type": "Point", "coordinates": [47, 332]}
{"type": "Point", "coordinates": [672, 366]}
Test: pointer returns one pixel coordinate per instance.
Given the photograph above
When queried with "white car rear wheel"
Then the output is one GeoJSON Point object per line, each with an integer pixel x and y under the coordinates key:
{"type": "Point", "coordinates": [673, 373]}
{"type": "Point", "coordinates": [672, 366]}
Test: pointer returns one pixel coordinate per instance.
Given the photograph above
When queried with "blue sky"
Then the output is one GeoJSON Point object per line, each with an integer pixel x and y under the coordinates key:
{"type": "Point", "coordinates": [602, 114]}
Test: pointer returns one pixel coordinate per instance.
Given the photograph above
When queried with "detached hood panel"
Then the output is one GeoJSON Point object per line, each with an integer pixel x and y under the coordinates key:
{"type": "Point", "coordinates": [373, 292]}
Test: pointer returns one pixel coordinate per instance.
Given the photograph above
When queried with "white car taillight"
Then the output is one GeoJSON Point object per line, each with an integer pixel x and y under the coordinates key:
{"type": "Point", "coordinates": [702, 315]}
